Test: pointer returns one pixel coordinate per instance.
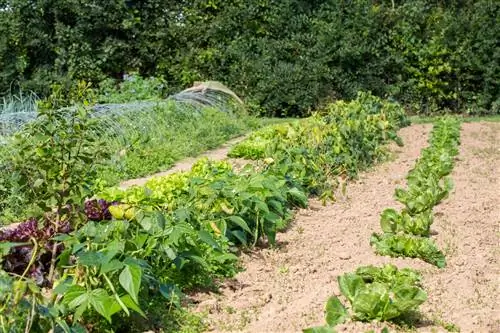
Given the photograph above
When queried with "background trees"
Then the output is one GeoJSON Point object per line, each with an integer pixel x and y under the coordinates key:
{"type": "Point", "coordinates": [284, 56]}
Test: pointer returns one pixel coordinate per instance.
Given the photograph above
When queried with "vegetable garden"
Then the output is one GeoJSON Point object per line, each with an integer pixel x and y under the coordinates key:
{"type": "Point", "coordinates": [393, 223]}
{"type": "Point", "coordinates": [95, 257]}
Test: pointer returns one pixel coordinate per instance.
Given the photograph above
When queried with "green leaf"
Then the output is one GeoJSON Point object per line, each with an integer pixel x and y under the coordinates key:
{"type": "Point", "coordinates": [350, 284]}
{"type": "Point", "coordinates": [91, 258]}
{"type": "Point", "coordinates": [240, 222]}
{"type": "Point", "coordinates": [241, 236]}
{"type": "Point", "coordinates": [129, 302]}
{"type": "Point", "coordinates": [38, 183]}
{"type": "Point", "coordinates": [101, 302]}
{"type": "Point", "coordinates": [172, 293]}
{"type": "Point", "coordinates": [72, 295]}
{"type": "Point", "coordinates": [336, 313]}
{"type": "Point", "coordinates": [389, 220]}
{"type": "Point", "coordinates": [113, 265]}
{"type": "Point", "coordinates": [299, 197]}
{"type": "Point", "coordinates": [63, 325]}
{"type": "Point", "coordinates": [207, 238]}
{"type": "Point", "coordinates": [370, 302]}
{"type": "Point", "coordinates": [130, 280]}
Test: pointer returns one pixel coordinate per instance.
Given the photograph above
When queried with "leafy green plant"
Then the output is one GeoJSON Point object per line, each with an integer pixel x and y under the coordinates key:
{"type": "Point", "coordinates": [243, 207]}
{"type": "Point", "coordinates": [375, 293]}
{"type": "Point", "coordinates": [417, 224]}
{"type": "Point", "coordinates": [53, 161]}
{"type": "Point", "coordinates": [431, 192]}
{"type": "Point", "coordinates": [343, 138]}
{"type": "Point", "coordinates": [427, 187]}
{"type": "Point", "coordinates": [402, 245]}
{"type": "Point", "coordinates": [133, 88]}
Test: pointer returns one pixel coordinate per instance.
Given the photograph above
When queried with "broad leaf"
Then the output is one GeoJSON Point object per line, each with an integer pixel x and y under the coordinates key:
{"type": "Point", "coordinates": [207, 238]}
{"type": "Point", "coordinates": [240, 223]}
{"type": "Point", "coordinates": [102, 303]}
{"type": "Point", "coordinates": [336, 313]}
{"type": "Point", "coordinates": [130, 280]}
{"type": "Point", "coordinates": [350, 284]}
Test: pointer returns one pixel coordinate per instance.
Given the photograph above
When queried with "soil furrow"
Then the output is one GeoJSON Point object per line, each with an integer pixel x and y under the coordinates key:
{"type": "Point", "coordinates": [285, 289]}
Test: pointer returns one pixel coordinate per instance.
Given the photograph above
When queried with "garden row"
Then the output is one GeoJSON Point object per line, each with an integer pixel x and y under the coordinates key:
{"type": "Point", "coordinates": [386, 293]}
{"type": "Point", "coordinates": [94, 266]}
{"type": "Point", "coordinates": [406, 233]}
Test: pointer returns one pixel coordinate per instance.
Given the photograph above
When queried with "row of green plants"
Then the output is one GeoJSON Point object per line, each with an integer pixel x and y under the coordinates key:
{"type": "Point", "coordinates": [386, 293]}
{"type": "Point", "coordinates": [104, 263]}
{"type": "Point", "coordinates": [406, 233]}
{"type": "Point", "coordinates": [340, 139]}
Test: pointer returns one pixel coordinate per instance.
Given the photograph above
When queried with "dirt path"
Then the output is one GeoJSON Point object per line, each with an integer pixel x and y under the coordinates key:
{"type": "Point", "coordinates": [186, 164]}
{"type": "Point", "coordinates": [285, 290]}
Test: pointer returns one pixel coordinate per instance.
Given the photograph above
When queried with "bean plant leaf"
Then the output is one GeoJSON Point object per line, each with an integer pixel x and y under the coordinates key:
{"type": "Point", "coordinates": [102, 303]}
{"type": "Point", "coordinates": [91, 258]}
{"type": "Point", "coordinates": [74, 296]}
{"type": "Point", "coordinates": [240, 223]}
{"type": "Point", "coordinates": [207, 238]}
{"type": "Point", "coordinates": [172, 293]}
{"type": "Point", "coordinates": [336, 313]}
{"type": "Point", "coordinates": [113, 265]}
{"type": "Point", "coordinates": [130, 280]}
{"type": "Point", "coordinates": [129, 302]}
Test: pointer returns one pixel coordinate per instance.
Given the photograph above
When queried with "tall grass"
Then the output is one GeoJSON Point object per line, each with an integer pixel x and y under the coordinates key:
{"type": "Point", "coordinates": [16, 109]}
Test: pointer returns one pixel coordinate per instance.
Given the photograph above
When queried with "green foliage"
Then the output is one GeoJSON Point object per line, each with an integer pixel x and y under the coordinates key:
{"type": "Point", "coordinates": [242, 207]}
{"type": "Point", "coordinates": [342, 139]}
{"type": "Point", "coordinates": [427, 186]}
{"type": "Point", "coordinates": [417, 224]}
{"type": "Point", "coordinates": [51, 164]}
{"type": "Point", "coordinates": [284, 57]}
{"type": "Point", "coordinates": [132, 144]}
{"type": "Point", "coordinates": [374, 293]}
{"type": "Point", "coordinates": [132, 88]}
{"type": "Point", "coordinates": [403, 245]}
{"type": "Point", "coordinates": [152, 139]}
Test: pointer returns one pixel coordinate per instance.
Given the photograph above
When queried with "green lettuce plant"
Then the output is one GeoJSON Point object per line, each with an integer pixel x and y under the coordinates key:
{"type": "Point", "coordinates": [374, 293]}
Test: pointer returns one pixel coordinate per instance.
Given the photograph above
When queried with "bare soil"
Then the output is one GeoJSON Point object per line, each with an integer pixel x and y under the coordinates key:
{"type": "Point", "coordinates": [285, 289]}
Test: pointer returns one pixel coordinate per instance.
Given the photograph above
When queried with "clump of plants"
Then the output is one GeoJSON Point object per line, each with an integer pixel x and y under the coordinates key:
{"type": "Point", "coordinates": [406, 233]}
{"type": "Point", "coordinates": [374, 293]}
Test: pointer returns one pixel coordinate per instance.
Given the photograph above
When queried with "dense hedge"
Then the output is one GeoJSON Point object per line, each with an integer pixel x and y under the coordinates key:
{"type": "Point", "coordinates": [283, 56]}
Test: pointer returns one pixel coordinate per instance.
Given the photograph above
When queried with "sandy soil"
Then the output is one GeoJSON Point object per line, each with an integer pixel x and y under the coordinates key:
{"type": "Point", "coordinates": [285, 289]}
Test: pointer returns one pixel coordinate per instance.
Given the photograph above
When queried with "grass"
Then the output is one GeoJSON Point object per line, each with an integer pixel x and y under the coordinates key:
{"type": "Point", "coordinates": [149, 141]}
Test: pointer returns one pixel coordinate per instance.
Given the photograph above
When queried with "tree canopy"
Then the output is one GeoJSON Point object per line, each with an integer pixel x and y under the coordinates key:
{"type": "Point", "coordinates": [284, 57]}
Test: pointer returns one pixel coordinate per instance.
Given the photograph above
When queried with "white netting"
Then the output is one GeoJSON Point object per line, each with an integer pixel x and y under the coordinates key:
{"type": "Point", "coordinates": [138, 116]}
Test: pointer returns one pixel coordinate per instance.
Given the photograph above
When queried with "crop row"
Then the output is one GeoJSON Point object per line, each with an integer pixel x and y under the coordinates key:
{"type": "Point", "coordinates": [386, 293]}
{"type": "Point", "coordinates": [406, 233]}
{"type": "Point", "coordinates": [121, 253]}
